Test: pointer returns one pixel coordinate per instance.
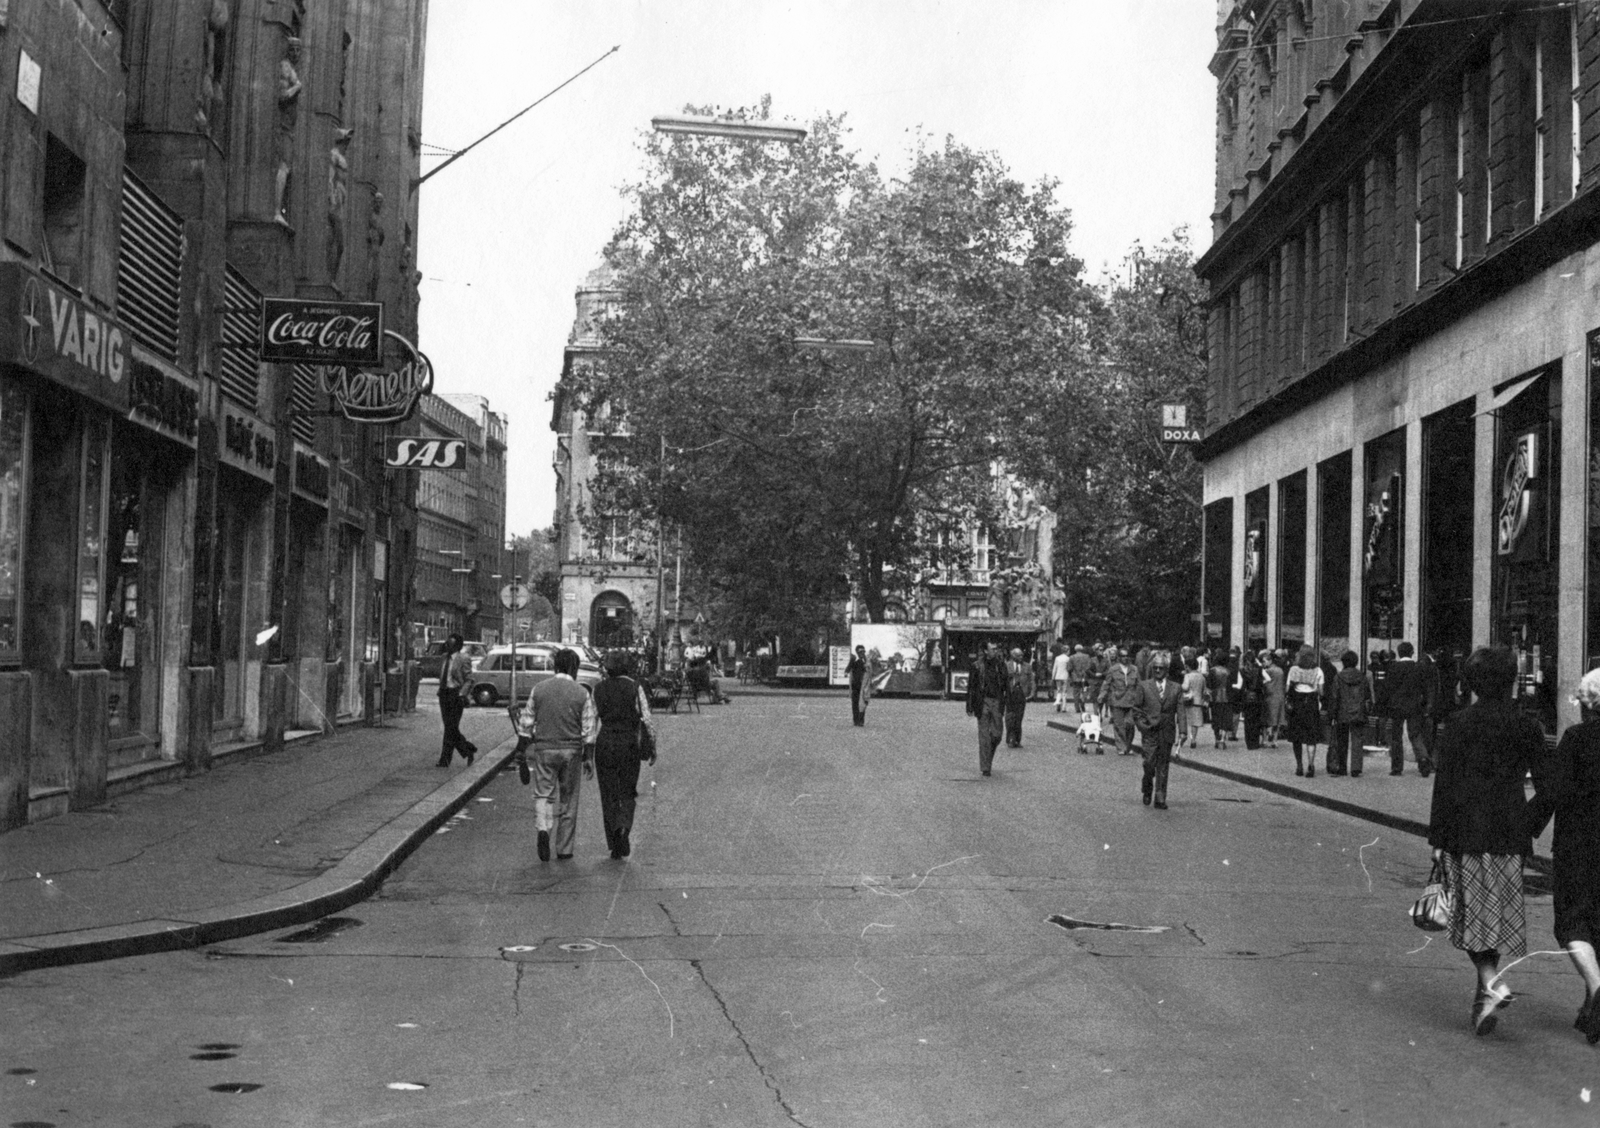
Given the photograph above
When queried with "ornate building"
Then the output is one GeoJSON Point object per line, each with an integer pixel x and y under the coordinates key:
{"type": "Point", "coordinates": [1403, 339]}
{"type": "Point", "coordinates": [194, 553]}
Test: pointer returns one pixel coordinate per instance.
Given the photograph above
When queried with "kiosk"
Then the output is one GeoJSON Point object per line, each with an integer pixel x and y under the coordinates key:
{"type": "Point", "coordinates": [963, 638]}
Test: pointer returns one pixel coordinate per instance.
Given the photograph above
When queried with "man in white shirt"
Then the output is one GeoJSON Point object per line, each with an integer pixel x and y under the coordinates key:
{"type": "Point", "coordinates": [1058, 675]}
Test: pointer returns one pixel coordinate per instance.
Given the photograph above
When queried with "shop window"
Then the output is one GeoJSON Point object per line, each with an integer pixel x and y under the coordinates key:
{"type": "Point", "coordinates": [1256, 565]}
{"type": "Point", "coordinates": [1334, 498]}
{"type": "Point", "coordinates": [1525, 511]}
{"type": "Point", "coordinates": [1292, 560]}
{"type": "Point", "coordinates": [1383, 540]}
{"type": "Point", "coordinates": [91, 541]}
{"type": "Point", "coordinates": [64, 195]}
{"type": "Point", "coordinates": [1217, 584]}
{"type": "Point", "coordinates": [13, 504]}
{"type": "Point", "coordinates": [1449, 442]}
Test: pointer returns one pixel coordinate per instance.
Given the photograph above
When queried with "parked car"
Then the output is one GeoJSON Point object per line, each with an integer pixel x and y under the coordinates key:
{"type": "Point", "coordinates": [535, 662]}
{"type": "Point", "coordinates": [431, 661]}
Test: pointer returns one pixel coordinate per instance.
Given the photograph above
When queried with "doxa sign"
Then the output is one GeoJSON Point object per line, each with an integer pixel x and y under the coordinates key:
{"type": "Point", "coordinates": [300, 331]}
{"type": "Point", "coordinates": [412, 453]}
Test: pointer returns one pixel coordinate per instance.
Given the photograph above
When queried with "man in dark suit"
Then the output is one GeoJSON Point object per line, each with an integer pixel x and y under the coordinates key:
{"type": "Point", "coordinates": [857, 669]}
{"type": "Point", "coordinates": [1156, 716]}
{"type": "Point", "coordinates": [1408, 701]}
{"type": "Point", "coordinates": [986, 694]}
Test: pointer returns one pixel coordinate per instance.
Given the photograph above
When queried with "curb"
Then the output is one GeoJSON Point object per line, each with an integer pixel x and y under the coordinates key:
{"type": "Point", "coordinates": [355, 878]}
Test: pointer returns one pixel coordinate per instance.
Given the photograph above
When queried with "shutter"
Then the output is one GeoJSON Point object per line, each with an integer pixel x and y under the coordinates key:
{"type": "Point", "coordinates": [150, 268]}
{"type": "Point", "coordinates": [303, 399]}
{"type": "Point", "coordinates": [241, 341]}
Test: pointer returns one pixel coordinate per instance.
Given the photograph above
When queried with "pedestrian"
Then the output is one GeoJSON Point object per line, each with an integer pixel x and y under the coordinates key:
{"type": "Point", "coordinates": [1019, 691]}
{"type": "Point", "coordinates": [1349, 701]}
{"type": "Point", "coordinates": [1194, 700]}
{"type": "Point", "coordinates": [986, 693]}
{"type": "Point", "coordinates": [1479, 825]}
{"type": "Point", "coordinates": [1061, 677]}
{"type": "Point", "coordinates": [1378, 671]}
{"type": "Point", "coordinates": [1303, 690]}
{"type": "Point", "coordinates": [1273, 718]}
{"type": "Point", "coordinates": [1120, 693]}
{"type": "Point", "coordinates": [1156, 716]}
{"type": "Point", "coordinates": [1409, 697]}
{"type": "Point", "coordinates": [860, 687]}
{"type": "Point", "coordinates": [563, 720]}
{"type": "Point", "coordinates": [1097, 678]}
{"type": "Point", "coordinates": [1250, 695]}
{"type": "Point", "coordinates": [1220, 681]}
{"type": "Point", "coordinates": [1567, 785]}
{"type": "Point", "coordinates": [622, 709]}
{"type": "Point", "coordinates": [1078, 667]}
{"type": "Point", "coordinates": [454, 677]}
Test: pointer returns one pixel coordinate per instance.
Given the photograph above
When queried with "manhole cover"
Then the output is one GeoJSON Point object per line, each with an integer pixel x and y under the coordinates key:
{"type": "Point", "coordinates": [1072, 924]}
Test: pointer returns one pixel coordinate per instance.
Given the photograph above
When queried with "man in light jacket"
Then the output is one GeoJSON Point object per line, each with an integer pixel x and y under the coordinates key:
{"type": "Point", "coordinates": [1120, 690]}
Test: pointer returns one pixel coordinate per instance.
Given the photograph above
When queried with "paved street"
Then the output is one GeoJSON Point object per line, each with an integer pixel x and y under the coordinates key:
{"type": "Point", "coordinates": [824, 925]}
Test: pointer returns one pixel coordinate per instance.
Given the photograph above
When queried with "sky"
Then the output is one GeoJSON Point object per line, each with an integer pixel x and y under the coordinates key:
{"type": "Point", "coordinates": [1111, 100]}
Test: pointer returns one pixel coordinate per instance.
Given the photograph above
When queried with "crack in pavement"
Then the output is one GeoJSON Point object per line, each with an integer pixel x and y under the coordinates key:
{"type": "Point", "coordinates": [676, 931]}
{"type": "Point", "coordinates": [766, 1078]}
{"type": "Point", "coordinates": [135, 856]}
{"type": "Point", "coordinates": [516, 990]}
{"type": "Point", "coordinates": [1193, 933]}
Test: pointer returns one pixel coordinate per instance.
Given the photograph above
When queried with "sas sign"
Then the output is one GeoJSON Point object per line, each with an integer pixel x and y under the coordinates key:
{"type": "Point", "coordinates": [426, 454]}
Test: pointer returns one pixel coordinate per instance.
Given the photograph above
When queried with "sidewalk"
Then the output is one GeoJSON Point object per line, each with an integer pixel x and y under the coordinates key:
{"type": "Point", "coordinates": [1398, 802]}
{"type": "Point", "coordinates": [259, 842]}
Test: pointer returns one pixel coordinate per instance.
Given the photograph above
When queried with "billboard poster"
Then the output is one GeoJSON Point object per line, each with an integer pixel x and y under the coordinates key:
{"type": "Point", "coordinates": [902, 654]}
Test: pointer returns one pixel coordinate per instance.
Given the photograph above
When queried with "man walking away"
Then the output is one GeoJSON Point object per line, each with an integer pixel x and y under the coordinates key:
{"type": "Point", "coordinates": [453, 679]}
{"type": "Point", "coordinates": [1078, 667]}
{"type": "Point", "coordinates": [1061, 675]}
{"type": "Point", "coordinates": [1348, 704]}
{"type": "Point", "coordinates": [986, 692]}
{"type": "Point", "coordinates": [1156, 715]}
{"type": "Point", "coordinates": [1121, 691]}
{"type": "Point", "coordinates": [564, 724]}
{"type": "Point", "coordinates": [1407, 685]}
{"type": "Point", "coordinates": [1019, 690]}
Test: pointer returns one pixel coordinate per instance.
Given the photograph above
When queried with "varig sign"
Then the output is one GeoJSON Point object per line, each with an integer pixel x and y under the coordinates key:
{"type": "Point", "coordinates": [387, 396]}
{"type": "Point", "coordinates": [55, 333]}
{"type": "Point", "coordinates": [415, 453]}
{"type": "Point", "coordinates": [304, 331]}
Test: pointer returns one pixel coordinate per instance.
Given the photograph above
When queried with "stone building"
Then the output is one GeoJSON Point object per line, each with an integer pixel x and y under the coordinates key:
{"type": "Point", "coordinates": [194, 552]}
{"type": "Point", "coordinates": [486, 491]}
{"type": "Point", "coordinates": [1404, 279]}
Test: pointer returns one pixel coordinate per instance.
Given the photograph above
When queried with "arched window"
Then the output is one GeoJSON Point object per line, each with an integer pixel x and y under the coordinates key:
{"type": "Point", "coordinates": [611, 621]}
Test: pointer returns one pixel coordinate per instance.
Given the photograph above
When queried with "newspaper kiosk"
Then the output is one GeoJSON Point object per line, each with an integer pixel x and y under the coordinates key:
{"type": "Point", "coordinates": [964, 638]}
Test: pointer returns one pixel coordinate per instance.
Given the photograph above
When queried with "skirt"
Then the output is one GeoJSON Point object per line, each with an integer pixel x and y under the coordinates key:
{"type": "Point", "coordinates": [1272, 712]}
{"type": "Point", "coordinates": [1222, 715]}
{"type": "Point", "coordinates": [1487, 911]}
{"type": "Point", "coordinates": [1305, 719]}
{"type": "Point", "coordinates": [1194, 716]}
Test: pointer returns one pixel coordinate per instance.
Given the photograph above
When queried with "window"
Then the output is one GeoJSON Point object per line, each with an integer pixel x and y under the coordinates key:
{"type": "Point", "coordinates": [1540, 124]}
{"type": "Point", "coordinates": [13, 475]}
{"type": "Point", "coordinates": [91, 539]}
{"type": "Point", "coordinates": [1575, 113]}
{"type": "Point", "coordinates": [63, 211]}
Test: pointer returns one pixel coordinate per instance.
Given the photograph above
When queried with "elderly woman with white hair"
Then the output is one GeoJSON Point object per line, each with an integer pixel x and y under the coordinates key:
{"type": "Point", "coordinates": [1567, 785]}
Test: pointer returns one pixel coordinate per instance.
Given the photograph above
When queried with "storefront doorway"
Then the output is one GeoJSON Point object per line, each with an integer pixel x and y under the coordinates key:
{"type": "Point", "coordinates": [1448, 495]}
{"type": "Point", "coordinates": [1292, 561]}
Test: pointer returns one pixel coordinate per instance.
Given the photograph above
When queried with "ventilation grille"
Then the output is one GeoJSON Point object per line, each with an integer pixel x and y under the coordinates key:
{"type": "Point", "coordinates": [241, 336]}
{"type": "Point", "coordinates": [150, 268]}
{"type": "Point", "coordinates": [303, 399]}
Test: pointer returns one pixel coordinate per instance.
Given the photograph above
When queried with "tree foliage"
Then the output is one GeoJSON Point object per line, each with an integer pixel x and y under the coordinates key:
{"type": "Point", "coordinates": [793, 473]}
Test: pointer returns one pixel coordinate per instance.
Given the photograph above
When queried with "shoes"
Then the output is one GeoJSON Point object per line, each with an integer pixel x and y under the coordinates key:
{"type": "Point", "coordinates": [544, 845]}
{"type": "Point", "coordinates": [524, 773]}
{"type": "Point", "coordinates": [1336, 771]}
{"type": "Point", "coordinates": [1589, 1019]}
{"type": "Point", "coordinates": [1159, 806]}
{"type": "Point", "coordinates": [1083, 751]}
{"type": "Point", "coordinates": [1311, 773]}
{"type": "Point", "coordinates": [444, 761]}
{"type": "Point", "coordinates": [1146, 796]}
{"type": "Point", "coordinates": [1394, 772]}
{"type": "Point", "coordinates": [1299, 771]}
{"type": "Point", "coordinates": [623, 845]}
{"type": "Point", "coordinates": [469, 756]}
{"type": "Point", "coordinates": [1484, 1008]}
{"type": "Point", "coordinates": [1424, 772]}
{"type": "Point", "coordinates": [1099, 751]}
{"type": "Point", "coordinates": [1355, 775]}
{"type": "Point", "coordinates": [563, 857]}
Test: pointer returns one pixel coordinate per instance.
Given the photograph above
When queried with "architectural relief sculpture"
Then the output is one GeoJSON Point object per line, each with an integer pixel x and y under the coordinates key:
{"type": "Point", "coordinates": [210, 103]}
{"type": "Point", "coordinates": [288, 121]}
{"type": "Point", "coordinates": [338, 198]}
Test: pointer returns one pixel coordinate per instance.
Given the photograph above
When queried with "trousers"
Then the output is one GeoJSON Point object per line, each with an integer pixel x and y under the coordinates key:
{"type": "Point", "coordinates": [1122, 728]}
{"type": "Point", "coordinates": [557, 777]}
{"type": "Point", "coordinates": [617, 772]}
{"type": "Point", "coordinates": [1014, 709]}
{"type": "Point", "coordinates": [451, 708]}
{"type": "Point", "coordinates": [991, 724]}
{"type": "Point", "coordinates": [1347, 746]}
{"type": "Point", "coordinates": [1415, 724]}
{"type": "Point", "coordinates": [1157, 762]}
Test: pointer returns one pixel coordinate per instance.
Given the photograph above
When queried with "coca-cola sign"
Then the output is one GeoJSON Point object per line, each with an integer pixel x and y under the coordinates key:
{"type": "Point", "coordinates": [388, 395]}
{"type": "Point", "coordinates": [303, 331]}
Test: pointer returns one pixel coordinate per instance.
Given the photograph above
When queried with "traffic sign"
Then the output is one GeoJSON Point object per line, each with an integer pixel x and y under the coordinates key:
{"type": "Point", "coordinates": [514, 597]}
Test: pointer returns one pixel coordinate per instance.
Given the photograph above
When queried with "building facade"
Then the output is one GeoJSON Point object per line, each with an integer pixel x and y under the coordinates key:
{"type": "Point", "coordinates": [193, 551]}
{"type": "Point", "coordinates": [1403, 328]}
{"type": "Point", "coordinates": [486, 492]}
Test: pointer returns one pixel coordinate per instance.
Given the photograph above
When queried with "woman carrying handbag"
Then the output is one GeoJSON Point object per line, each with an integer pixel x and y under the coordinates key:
{"type": "Point", "coordinates": [626, 737]}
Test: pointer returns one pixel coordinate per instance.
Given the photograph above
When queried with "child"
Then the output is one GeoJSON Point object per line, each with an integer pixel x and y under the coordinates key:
{"type": "Point", "coordinates": [1089, 733]}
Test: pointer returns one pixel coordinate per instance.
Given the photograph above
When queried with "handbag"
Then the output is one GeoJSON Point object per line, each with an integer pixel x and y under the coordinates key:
{"type": "Point", "coordinates": [647, 743]}
{"type": "Point", "coordinates": [1431, 912]}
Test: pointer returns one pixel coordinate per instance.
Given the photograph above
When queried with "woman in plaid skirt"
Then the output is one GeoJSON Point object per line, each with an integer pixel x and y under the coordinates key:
{"type": "Point", "coordinates": [1479, 826]}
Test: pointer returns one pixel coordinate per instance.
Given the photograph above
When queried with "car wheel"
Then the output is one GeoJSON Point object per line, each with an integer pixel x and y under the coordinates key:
{"type": "Point", "coordinates": [484, 695]}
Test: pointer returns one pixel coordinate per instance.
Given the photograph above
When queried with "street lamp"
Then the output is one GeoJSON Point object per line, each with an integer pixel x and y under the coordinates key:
{"type": "Point", "coordinates": [691, 125]}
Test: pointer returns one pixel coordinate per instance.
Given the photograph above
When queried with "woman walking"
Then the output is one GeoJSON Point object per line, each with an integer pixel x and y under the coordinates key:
{"type": "Point", "coordinates": [1567, 785]}
{"type": "Point", "coordinates": [1479, 824]}
{"type": "Point", "coordinates": [1303, 704]}
{"type": "Point", "coordinates": [1251, 693]}
{"type": "Point", "coordinates": [1221, 679]}
{"type": "Point", "coordinates": [1272, 699]}
{"type": "Point", "coordinates": [621, 706]}
{"type": "Point", "coordinates": [1194, 702]}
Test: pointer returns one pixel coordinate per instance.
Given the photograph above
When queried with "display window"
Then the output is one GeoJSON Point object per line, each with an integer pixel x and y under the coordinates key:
{"type": "Point", "coordinates": [236, 543]}
{"type": "Point", "coordinates": [93, 482]}
{"type": "Point", "coordinates": [14, 439]}
{"type": "Point", "coordinates": [130, 643]}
